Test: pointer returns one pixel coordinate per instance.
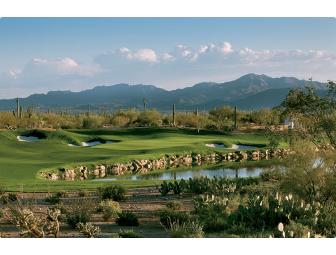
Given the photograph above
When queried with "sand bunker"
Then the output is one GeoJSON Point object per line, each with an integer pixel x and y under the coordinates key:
{"type": "Point", "coordinates": [234, 146]}
{"type": "Point", "coordinates": [22, 138]}
{"type": "Point", "coordinates": [215, 145]}
{"type": "Point", "coordinates": [242, 147]}
{"type": "Point", "coordinates": [89, 144]}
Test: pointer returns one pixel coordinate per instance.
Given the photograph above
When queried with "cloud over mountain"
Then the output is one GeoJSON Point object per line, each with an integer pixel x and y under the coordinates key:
{"type": "Point", "coordinates": [178, 67]}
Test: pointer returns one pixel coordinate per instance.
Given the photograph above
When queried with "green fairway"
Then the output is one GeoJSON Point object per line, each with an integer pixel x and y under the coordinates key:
{"type": "Point", "coordinates": [20, 162]}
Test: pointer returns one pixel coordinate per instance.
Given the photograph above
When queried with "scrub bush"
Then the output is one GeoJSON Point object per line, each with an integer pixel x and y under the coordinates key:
{"type": "Point", "coordinates": [79, 211]}
{"type": "Point", "coordinates": [128, 234]}
{"type": "Point", "coordinates": [174, 205]}
{"type": "Point", "coordinates": [88, 229]}
{"type": "Point", "coordinates": [211, 212]}
{"type": "Point", "coordinates": [127, 218]}
{"type": "Point", "coordinates": [171, 216]}
{"type": "Point", "coordinates": [164, 188]}
{"type": "Point", "coordinates": [115, 192]}
{"type": "Point", "coordinates": [185, 230]}
{"type": "Point", "coordinates": [109, 208]}
{"type": "Point", "coordinates": [53, 199]}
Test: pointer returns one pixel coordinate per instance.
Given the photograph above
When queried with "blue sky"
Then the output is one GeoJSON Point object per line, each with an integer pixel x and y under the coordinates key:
{"type": "Point", "coordinates": [42, 54]}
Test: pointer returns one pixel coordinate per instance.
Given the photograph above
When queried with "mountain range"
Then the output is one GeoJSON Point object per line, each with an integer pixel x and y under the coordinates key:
{"type": "Point", "coordinates": [251, 91]}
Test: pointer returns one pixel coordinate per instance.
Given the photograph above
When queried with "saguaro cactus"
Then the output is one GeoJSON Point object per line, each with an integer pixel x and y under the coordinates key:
{"type": "Point", "coordinates": [30, 111]}
{"type": "Point", "coordinates": [174, 115]}
{"type": "Point", "coordinates": [21, 110]}
{"type": "Point", "coordinates": [235, 117]}
{"type": "Point", "coordinates": [145, 104]}
{"type": "Point", "coordinates": [89, 110]}
{"type": "Point", "coordinates": [18, 112]}
{"type": "Point", "coordinates": [17, 107]}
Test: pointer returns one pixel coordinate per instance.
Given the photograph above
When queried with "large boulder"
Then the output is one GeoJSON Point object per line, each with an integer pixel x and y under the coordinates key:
{"type": "Point", "coordinates": [99, 171]}
{"type": "Point", "coordinates": [255, 155]}
{"type": "Point", "coordinates": [83, 171]}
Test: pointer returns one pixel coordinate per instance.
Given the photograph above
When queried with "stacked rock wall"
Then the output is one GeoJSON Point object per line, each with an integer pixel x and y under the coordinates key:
{"type": "Point", "coordinates": [165, 162]}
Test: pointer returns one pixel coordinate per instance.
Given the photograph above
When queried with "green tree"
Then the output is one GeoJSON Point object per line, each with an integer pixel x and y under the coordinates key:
{"type": "Point", "coordinates": [314, 115]}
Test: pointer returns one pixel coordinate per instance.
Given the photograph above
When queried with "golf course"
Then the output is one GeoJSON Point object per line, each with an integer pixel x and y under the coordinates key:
{"type": "Point", "coordinates": [21, 161]}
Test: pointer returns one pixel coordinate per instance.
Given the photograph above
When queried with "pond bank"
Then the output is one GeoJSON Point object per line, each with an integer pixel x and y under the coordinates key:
{"type": "Point", "coordinates": [164, 163]}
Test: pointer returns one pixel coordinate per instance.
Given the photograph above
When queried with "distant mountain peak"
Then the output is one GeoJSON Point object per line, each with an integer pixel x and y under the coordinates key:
{"type": "Point", "coordinates": [249, 91]}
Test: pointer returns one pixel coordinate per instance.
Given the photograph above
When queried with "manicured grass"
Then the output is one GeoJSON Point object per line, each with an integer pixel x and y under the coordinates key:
{"type": "Point", "coordinates": [20, 162]}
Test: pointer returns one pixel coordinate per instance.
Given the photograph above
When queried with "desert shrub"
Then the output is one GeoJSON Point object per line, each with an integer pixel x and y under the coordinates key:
{"type": "Point", "coordinates": [91, 122]}
{"type": "Point", "coordinates": [128, 234]}
{"type": "Point", "coordinates": [174, 205]}
{"type": "Point", "coordinates": [176, 187]}
{"type": "Point", "coordinates": [8, 198]}
{"type": "Point", "coordinates": [326, 221]}
{"type": "Point", "coordinates": [109, 208]}
{"type": "Point", "coordinates": [7, 120]}
{"type": "Point", "coordinates": [149, 118]}
{"type": "Point", "coordinates": [164, 188]}
{"type": "Point", "coordinates": [53, 199]}
{"type": "Point", "coordinates": [170, 216]}
{"type": "Point", "coordinates": [256, 215]}
{"type": "Point", "coordinates": [127, 218]}
{"type": "Point", "coordinates": [308, 178]}
{"type": "Point", "coordinates": [124, 117]}
{"type": "Point", "coordinates": [271, 175]}
{"type": "Point", "coordinates": [79, 211]}
{"type": "Point", "coordinates": [205, 185]}
{"type": "Point", "coordinates": [188, 120]}
{"type": "Point", "coordinates": [266, 212]}
{"type": "Point", "coordinates": [292, 230]}
{"type": "Point", "coordinates": [83, 193]}
{"type": "Point", "coordinates": [78, 217]}
{"type": "Point", "coordinates": [60, 206]}
{"type": "Point", "coordinates": [115, 192]}
{"type": "Point", "coordinates": [190, 229]}
{"type": "Point", "coordinates": [61, 193]}
{"type": "Point", "coordinates": [199, 185]}
{"type": "Point", "coordinates": [88, 229]}
{"type": "Point", "coordinates": [243, 182]}
{"type": "Point", "coordinates": [12, 197]}
{"type": "Point", "coordinates": [211, 212]}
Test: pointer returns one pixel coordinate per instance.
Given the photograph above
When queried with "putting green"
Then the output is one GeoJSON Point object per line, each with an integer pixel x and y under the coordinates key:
{"type": "Point", "coordinates": [20, 162]}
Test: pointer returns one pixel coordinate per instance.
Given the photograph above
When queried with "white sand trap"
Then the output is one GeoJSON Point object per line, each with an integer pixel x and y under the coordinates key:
{"type": "Point", "coordinates": [89, 144]}
{"type": "Point", "coordinates": [215, 145]}
{"type": "Point", "coordinates": [73, 145]}
{"type": "Point", "coordinates": [242, 147]}
{"type": "Point", "coordinates": [234, 146]}
{"type": "Point", "coordinates": [22, 138]}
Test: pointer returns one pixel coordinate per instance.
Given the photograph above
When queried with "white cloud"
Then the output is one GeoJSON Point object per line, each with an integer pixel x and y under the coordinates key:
{"type": "Point", "coordinates": [183, 65]}
{"type": "Point", "coordinates": [145, 55]}
{"type": "Point", "coordinates": [45, 74]}
{"type": "Point", "coordinates": [59, 66]}
{"type": "Point", "coordinates": [280, 57]}
{"type": "Point", "coordinates": [12, 74]}
{"type": "Point", "coordinates": [167, 57]}
{"type": "Point", "coordinates": [226, 48]}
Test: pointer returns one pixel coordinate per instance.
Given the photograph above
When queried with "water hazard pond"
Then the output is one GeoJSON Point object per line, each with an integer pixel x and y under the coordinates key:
{"type": "Point", "coordinates": [220, 171]}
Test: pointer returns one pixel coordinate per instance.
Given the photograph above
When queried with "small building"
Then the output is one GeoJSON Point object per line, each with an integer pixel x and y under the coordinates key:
{"type": "Point", "coordinates": [289, 123]}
